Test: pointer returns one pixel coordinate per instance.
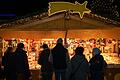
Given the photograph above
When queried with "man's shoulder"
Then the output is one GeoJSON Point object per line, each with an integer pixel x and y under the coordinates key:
{"type": "Point", "coordinates": [65, 49]}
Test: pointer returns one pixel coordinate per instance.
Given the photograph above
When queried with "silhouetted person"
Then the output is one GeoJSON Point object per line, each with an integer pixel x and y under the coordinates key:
{"type": "Point", "coordinates": [0, 71]}
{"type": "Point", "coordinates": [22, 66]}
{"type": "Point", "coordinates": [8, 61]}
{"type": "Point", "coordinates": [78, 68]}
{"type": "Point", "coordinates": [60, 58]}
{"type": "Point", "coordinates": [97, 65]}
{"type": "Point", "coordinates": [46, 66]}
{"type": "Point", "coordinates": [2, 76]}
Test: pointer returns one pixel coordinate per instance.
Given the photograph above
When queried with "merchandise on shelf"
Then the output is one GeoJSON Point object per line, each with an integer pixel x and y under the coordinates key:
{"type": "Point", "coordinates": [33, 48]}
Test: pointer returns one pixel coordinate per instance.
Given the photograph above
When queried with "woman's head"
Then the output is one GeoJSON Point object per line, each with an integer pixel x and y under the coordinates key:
{"type": "Point", "coordinates": [96, 51]}
{"type": "Point", "coordinates": [79, 51]}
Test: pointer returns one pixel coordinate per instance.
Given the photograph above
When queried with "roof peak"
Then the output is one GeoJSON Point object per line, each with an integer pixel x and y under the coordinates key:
{"type": "Point", "coordinates": [41, 16]}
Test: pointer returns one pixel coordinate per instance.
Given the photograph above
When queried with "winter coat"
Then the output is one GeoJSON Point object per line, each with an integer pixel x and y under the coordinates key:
{"type": "Point", "coordinates": [22, 65]}
{"type": "Point", "coordinates": [78, 68]}
{"type": "Point", "coordinates": [46, 66]}
{"type": "Point", "coordinates": [2, 73]}
{"type": "Point", "coordinates": [60, 57]}
{"type": "Point", "coordinates": [8, 61]}
{"type": "Point", "coordinates": [97, 67]}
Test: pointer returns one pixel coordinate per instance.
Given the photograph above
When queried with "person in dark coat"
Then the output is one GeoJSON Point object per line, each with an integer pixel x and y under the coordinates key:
{"type": "Point", "coordinates": [22, 66]}
{"type": "Point", "coordinates": [78, 67]}
{"type": "Point", "coordinates": [2, 76]}
{"type": "Point", "coordinates": [0, 72]}
{"type": "Point", "coordinates": [97, 65]}
{"type": "Point", "coordinates": [46, 66]}
{"type": "Point", "coordinates": [8, 61]}
{"type": "Point", "coordinates": [60, 58]}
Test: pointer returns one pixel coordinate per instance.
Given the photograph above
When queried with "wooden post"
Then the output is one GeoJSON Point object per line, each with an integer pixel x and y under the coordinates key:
{"type": "Point", "coordinates": [66, 19]}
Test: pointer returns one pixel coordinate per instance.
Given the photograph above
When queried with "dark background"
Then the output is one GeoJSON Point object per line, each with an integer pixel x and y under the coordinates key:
{"type": "Point", "coordinates": [15, 9]}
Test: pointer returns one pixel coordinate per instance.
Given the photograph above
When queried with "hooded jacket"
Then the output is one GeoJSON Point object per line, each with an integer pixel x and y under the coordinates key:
{"type": "Point", "coordinates": [79, 65]}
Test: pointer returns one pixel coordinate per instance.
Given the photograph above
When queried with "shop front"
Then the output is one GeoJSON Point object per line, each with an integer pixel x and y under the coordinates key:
{"type": "Point", "coordinates": [89, 32]}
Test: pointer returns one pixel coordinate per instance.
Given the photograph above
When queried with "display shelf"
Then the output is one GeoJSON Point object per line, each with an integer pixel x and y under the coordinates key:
{"type": "Point", "coordinates": [33, 48]}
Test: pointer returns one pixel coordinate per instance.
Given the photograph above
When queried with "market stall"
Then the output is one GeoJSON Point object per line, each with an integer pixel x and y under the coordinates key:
{"type": "Point", "coordinates": [89, 32]}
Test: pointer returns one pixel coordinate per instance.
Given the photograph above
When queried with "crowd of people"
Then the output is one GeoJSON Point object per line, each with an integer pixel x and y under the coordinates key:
{"type": "Point", "coordinates": [15, 64]}
{"type": "Point", "coordinates": [57, 61]}
{"type": "Point", "coordinates": [54, 61]}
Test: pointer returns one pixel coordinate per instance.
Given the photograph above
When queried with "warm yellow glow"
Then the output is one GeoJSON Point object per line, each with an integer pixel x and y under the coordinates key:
{"type": "Point", "coordinates": [47, 39]}
{"type": "Point", "coordinates": [56, 7]}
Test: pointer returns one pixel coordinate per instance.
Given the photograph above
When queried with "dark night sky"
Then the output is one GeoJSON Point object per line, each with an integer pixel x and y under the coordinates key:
{"type": "Point", "coordinates": [22, 7]}
{"type": "Point", "coordinates": [10, 9]}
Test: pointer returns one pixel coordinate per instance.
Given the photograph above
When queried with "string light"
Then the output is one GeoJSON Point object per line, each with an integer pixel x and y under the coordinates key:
{"type": "Point", "coordinates": [105, 8]}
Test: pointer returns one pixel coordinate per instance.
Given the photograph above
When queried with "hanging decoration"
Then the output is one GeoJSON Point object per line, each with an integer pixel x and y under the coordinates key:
{"type": "Point", "coordinates": [56, 7]}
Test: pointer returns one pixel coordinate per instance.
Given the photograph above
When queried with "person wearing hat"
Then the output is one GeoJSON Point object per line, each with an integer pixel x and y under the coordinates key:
{"type": "Point", "coordinates": [60, 58]}
{"type": "Point", "coordinates": [97, 65]}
